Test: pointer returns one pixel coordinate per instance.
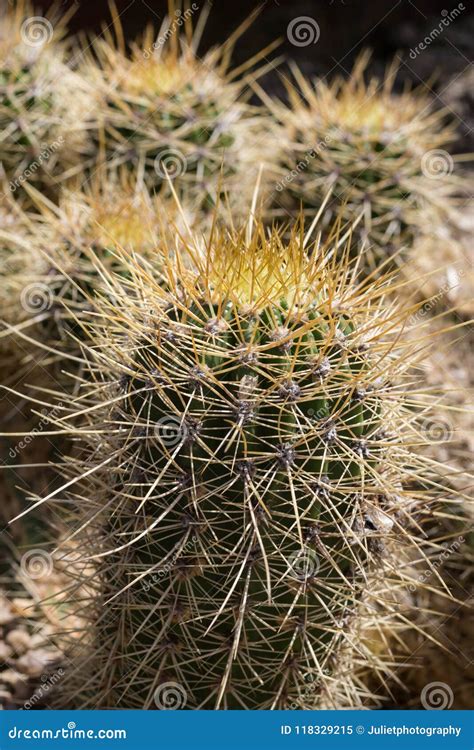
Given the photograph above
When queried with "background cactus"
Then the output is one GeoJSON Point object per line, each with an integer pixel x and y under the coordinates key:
{"type": "Point", "coordinates": [447, 658]}
{"type": "Point", "coordinates": [248, 440]}
{"type": "Point", "coordinates": [382, 154]}
{"type": "Point", "coordinates": [42, 101]}
{"type": "Point", "coordinates": [164, 109]}
{"type": "Point", "coordinates": [15, 236]}
{"type": "Point", "coordinates": [46, 265]}
{"type": "Point", "coordinates": [432, 657]}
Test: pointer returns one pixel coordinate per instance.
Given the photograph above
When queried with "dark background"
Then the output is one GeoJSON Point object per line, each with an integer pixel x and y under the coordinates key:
{"type": "Point", "coordinates": [346, 27]}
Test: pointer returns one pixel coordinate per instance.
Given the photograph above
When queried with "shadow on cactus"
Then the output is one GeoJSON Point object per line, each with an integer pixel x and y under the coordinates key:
{"type": "Point", "coordinates": [247, 437]}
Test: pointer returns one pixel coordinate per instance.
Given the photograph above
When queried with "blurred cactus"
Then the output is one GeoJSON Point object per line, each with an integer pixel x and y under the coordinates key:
{"type": "Point", "coordinates": [166, 111]}
{"type": "Point", "coordinates": [42, 101]}
{"type": "Point", "coordinates": [382, 155]}
{"type": "Point", "coordinates": [47, 273]}
{"type": "Point", "coordinates": [437, 671]}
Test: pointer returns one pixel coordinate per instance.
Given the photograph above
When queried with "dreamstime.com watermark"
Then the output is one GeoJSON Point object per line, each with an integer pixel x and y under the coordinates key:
{"type": "Point", "coordinates": [71, 732]}
{"type": "Point", "coordinates": [451, 284]}
{"type": "Point", "coordinates": [48, 682]}
{"type": "Point", "coordinates": [174, 25]}
{"type": "Point", "coordinates": [311, 687]}
{"type": "Point", "coordinates": [168, 567]}
{"type": "Point", "coordinates": [303, 164]}
{"type": "Point", "coordinates": [447, 18]}
{"type": "Point", "coordinates": [42, 157]}
{"type": "Point", "coordinates": [44, 422]}
{"type": "Point", "coordinates": [445, 555]}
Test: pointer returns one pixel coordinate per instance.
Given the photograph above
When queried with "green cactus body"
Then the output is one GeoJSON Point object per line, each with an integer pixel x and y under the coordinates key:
{"type": "Point", "coordinates": [240, 509]}
{"type": "Point", "coordinates": [252, 513]}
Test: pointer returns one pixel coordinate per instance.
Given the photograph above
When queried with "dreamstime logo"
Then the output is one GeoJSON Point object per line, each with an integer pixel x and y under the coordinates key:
{"type": "Point", "coordinates": [170, 696]}
{"type": "Point", "coordinates": [36, 298]}
{"type": "Point", "coordinates": [303, 564]}
{"type": "Point", "coordinates": [171, 431]}
{"type": "Point", "coordinates": [36, 563]}
{"type": "Point", "coordinates": [436, 163]}
{"type": "Point", "coordinates": [438, 430]}
{"type": "Point", "coordinates": [437, 563]}
{"type": "Point", "coordinates": [170, 163]}
{"type": "Point", "coordinates": [437, 696]}
{"type": "Point", "coordinates": [303, 31]}
{"type": "Point", "coordinates": [36, 31]}
{"type": "Point", "coordinates": [38, 162]}
{"type": "Point", "coordinates": [447, 18]}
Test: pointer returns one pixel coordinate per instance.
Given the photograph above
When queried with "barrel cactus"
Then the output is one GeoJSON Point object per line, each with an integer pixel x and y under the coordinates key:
{"type": "Point", "coordinates": [381, 154]}
{"type": "Point", "coordinates": [42, 101]}
{"type": "Point", "coordinates": [48, 275]}
{"type": "Point", "coordinates": [168, 113]}
{"type": "Point", "coordinates": [248, 443]}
